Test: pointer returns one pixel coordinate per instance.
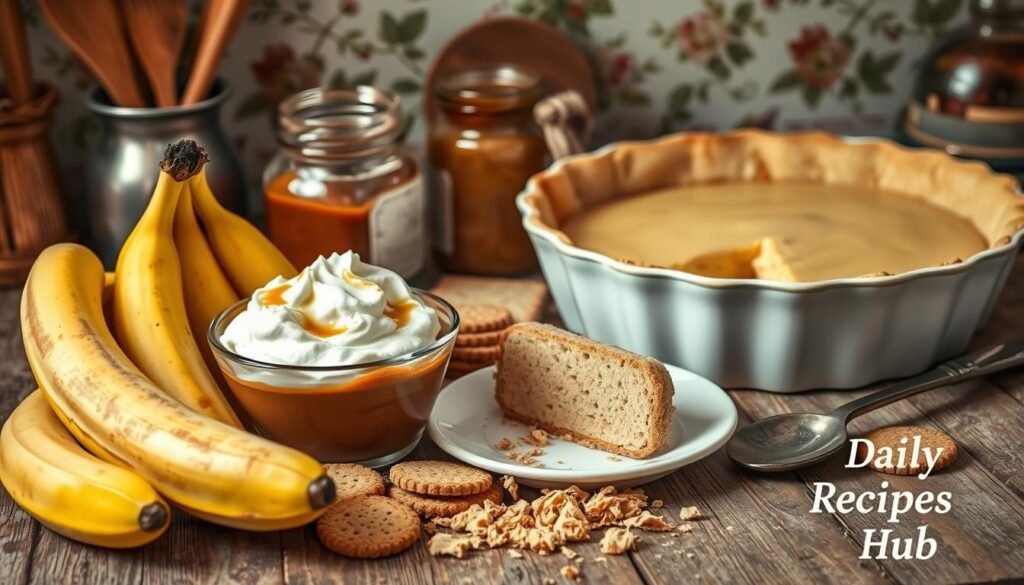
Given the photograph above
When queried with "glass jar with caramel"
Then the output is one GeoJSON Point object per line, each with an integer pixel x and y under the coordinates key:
{"type": "Point", "coordinates": [483, 146]}
{"type": "Point", "coordinates": [342, 180]}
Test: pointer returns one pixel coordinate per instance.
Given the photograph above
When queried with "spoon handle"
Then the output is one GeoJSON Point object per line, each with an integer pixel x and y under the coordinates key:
{"type": "Point", "coordinates": [973, 365]}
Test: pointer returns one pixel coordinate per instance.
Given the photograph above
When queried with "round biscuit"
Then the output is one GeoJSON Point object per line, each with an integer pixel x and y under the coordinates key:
{"type": "Point", "coordinates": [368, 527]}
{"type": "Point", "coordinates": [480, 355]}
{"type": "Point", "coordinates": [477, 318]}
{"type": "Point", "coordinates": [890, 437]}
{"type": "Point", "coordinates": [444, 507]}
{"type": "Point", "coordinates": [479, 339]}
{"type": "Point", "coordinates": [439, 478]}
{"type": "Point", "coordinates": [352, 480]}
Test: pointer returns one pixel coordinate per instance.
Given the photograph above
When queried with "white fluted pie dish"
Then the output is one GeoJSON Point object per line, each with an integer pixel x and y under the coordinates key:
{"type": "Point", "coordinates": [766, 334]}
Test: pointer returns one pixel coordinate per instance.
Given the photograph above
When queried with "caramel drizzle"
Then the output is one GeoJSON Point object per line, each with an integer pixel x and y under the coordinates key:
{"type": "Point", "coordinates": [400, 313]}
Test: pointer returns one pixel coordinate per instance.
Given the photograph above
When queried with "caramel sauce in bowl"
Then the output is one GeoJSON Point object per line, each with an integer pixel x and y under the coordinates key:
{"type": "Point", "coordinates": [372, 413]}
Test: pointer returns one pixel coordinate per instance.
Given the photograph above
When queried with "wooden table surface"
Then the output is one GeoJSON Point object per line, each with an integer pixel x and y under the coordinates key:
{"type": "Point", "coordinates": [757, 528]}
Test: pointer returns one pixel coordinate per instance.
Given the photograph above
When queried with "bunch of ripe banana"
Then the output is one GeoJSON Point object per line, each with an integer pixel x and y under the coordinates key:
{"type": "Point", "coordinates": [142, 397]}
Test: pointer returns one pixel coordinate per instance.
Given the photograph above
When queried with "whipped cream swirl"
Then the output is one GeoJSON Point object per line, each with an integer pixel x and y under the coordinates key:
{"type": "Point", "coordinates": [339, 311]}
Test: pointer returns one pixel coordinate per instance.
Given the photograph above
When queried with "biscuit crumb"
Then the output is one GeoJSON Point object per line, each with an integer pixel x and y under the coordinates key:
{"type": "Point", "coordinates": [690, 555]}
{"type": "Point", "coordinates": [616, 541]}
{"type": "Point", "coordinates": [505, 444]}
{"type": "Point", "coordinates": [569, 553]}
{"type": "Point", "coordinates": [536, 437]}
{"type": "Point", "coordinates": [613, 459]}
{"type": "Point", "coordinates": [729, 528]}
{"type": "Point", "coordinates": [648, 521]}
{"type": "Point", "coordinates": [442, 544]}
{"type": "Point", "coordinates": [685, 528]}
{"type": "Point", "coordinates": [515, 554]}
{"type": "Point", "coordinates": [657, 504]}
{"type": "Point", "coordinates": [600, 559]}
{"type": "Point", "coordinates": [549, 581]}
{"type": "Point", "coordinates": [510, 485]}
{"type": "Point", "coordinates": [560, 462]}
{"type": "Point", "coordinates": [570, 572]}
{"type": "Point", "coordinates": [689, 513]}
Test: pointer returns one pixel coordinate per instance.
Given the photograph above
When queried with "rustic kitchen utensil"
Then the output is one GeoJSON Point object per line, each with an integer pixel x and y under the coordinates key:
{"type": "Point", "coordinates": [219, 25]}
{"type": "Point", "coordinates": [515, 41]}
{"type": "Point", "coordinates": [95, 33]}
{"type": "Point", "coordinates": [792, 441]}
{"type": "Point", "coordinates": [14, 52]}
{"type": "Point", "coordinates": [32, 214]}
{"type": "Point", "coordinates": [157, 32]}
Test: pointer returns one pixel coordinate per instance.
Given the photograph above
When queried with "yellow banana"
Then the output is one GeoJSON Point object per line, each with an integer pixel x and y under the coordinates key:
{"type": "Point", "coordinates": [149, 305]}
{"type": "Point", "coordinates": [222, 473]}
{"type": "Point", "coordinates": [247, 256]}
{"type": "Point", "coordinates": [69, 490]}
{"type": "Point", "coordinates": [207, 290]}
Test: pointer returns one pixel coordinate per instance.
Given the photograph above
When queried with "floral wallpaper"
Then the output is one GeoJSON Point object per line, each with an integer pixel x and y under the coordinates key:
{"type": "Point", "coordinates": [840, 65]}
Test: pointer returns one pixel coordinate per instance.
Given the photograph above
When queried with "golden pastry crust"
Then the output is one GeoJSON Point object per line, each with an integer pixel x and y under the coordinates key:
{"type": "Point", "coordinates": [757, 156]}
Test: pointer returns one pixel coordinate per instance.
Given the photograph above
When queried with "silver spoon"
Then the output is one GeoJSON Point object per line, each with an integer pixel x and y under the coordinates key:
{"type": "Point", "coordinates": [791, 441]}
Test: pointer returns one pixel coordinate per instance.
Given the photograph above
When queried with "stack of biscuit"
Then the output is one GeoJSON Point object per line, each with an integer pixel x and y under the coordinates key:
{"type": "Point", "coordinates": [487, 307]}
{"type": "Point", "coordinates": [479, 342]}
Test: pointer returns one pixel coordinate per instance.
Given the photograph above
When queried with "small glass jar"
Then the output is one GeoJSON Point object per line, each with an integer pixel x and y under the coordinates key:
{"type": "Point", "coordinates": [343, 181]}
{"type": "Point", "coordinates": [483, 146]}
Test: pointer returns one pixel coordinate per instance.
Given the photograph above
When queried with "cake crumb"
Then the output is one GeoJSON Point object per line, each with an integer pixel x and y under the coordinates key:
{"type": "Point", "coordinates": [617, 541]}
{"type": "Point", "coordinates": [689, 513]}
{"type": "Point", "coordinates": [510, 485]}
{"type": "Point", "coordinates": [570, 572]}
{"type": "Point", "coordinates": [536, 437]}
{"type": "Point", "coordinates": [613, 459]}
{"type": "Point", "coordinates": [657, 504]}
{"type": "Point", "coordinates": [527, 457]}
{"type": "Point", "coordinates": [505, 444]}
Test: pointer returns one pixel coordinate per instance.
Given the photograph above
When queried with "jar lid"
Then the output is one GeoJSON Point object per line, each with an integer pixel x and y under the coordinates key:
{"type": "Point", "coordinates": [340, 123]}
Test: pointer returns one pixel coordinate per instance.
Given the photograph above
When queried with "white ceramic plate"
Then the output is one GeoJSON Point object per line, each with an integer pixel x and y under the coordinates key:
{"type": "Point", "coordinates": [467, 424]}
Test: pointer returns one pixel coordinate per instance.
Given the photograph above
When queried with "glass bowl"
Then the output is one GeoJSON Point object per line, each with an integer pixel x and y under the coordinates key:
{"type": "Point", "coordinates": [373, 413]}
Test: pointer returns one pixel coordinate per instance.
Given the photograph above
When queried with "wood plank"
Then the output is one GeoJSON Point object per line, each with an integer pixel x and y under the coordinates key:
{"type": "Point", "coordinates": [755, 529]}
{"type": "Point", "coordinates": [56, 559]}
{"type": "Point", "coordinates": [979, 539]}
{"type": "Point", "coordinates": [306, 561]}
{"type": "Point", "coordinates": [194, 551]}
{"type": "Point", "coordinates": [18, 531]}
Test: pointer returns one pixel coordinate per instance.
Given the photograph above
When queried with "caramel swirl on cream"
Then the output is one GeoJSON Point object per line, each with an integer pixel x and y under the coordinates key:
{"type": "Point", "coordinates": [339, 311]}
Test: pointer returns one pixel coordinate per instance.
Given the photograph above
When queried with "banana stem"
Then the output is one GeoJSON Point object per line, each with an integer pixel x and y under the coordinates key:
{"type": "Point", "coordinates": [183, 159]}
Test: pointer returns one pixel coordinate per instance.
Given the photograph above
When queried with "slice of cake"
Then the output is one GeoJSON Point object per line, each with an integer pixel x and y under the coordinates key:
{"type": "Point", "coordinates": [584, 391]}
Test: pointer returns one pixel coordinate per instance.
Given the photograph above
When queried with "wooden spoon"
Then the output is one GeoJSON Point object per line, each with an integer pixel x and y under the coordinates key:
{"type": "Point", "coordinates": [14, 52]}
{"type": "Point", "coordinates": [157, 31]}
{"type": "Point", "coordinates": [94, 32]}
{"type": "Point", "coordinates": [219, 26]}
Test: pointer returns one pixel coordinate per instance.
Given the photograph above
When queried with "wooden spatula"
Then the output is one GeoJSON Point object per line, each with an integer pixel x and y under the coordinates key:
{"type": "Point", "coordinates": [94, 32]}
{"type": "Point", "coordinates": [218, 27]}
{"type": "Point", "coordinates": [157, 31]}
{"type": "Point", "coordinates": [14, 52]}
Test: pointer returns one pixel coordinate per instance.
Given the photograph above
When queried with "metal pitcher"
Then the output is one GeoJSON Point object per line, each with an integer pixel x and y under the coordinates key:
{"type": "Point", "coordinates": [124, 166]}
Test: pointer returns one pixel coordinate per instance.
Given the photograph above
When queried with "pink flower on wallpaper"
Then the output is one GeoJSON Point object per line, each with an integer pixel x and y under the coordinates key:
{"type": "Point", "coordinates": [619, 68]}
{"type": "Point", "coordinates": [575, 10]}
{"type": "Point", "coordinates": [820, 58]}
{"type": "Point", "coordinates": [280, 72]}
{"type": "Point", "coordinates": [349, 7]}
{"type": "Point", "coordinates": [701, 36]}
